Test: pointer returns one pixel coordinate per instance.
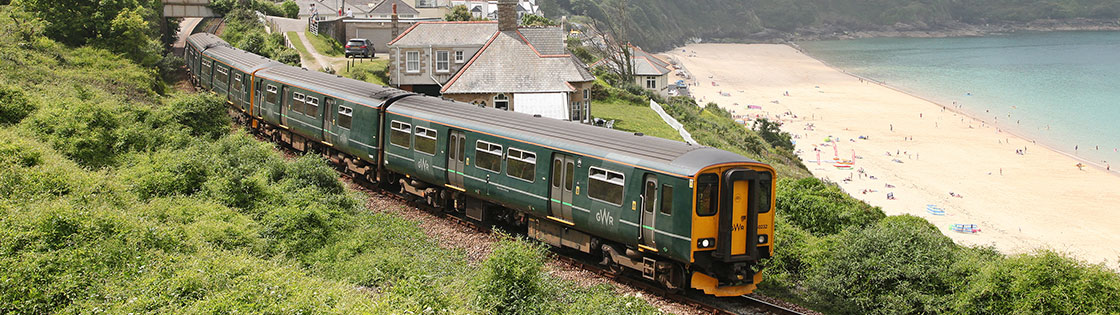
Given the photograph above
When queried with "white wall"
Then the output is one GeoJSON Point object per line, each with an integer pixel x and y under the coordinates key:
{"type": "Point", "coordinates": [551, 105]}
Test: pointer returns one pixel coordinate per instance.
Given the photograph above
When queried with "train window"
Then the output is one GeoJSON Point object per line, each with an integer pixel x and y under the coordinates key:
{"type": "Point", "coordinates": [764, 196]}
{"type": "Point", "coordinates": [297, 102]}
{"type": "Point", "coordinates": [222, 76]}
{"type": "Point", "coordinates": [557, 168]}
{"type": "Point", "coordinates": [521, 164]}
{"type": "Point", "coordinates": [345, 115]}
{"type": "Point", "coordinates": [666, 200]}
{"type": "Point", "coordinates": [569, 175]}
{"type": "Point", "coordinates": [605, 186]}
{"type": "Point", "coordinates": [488, 156]}
{"type": "Point", "coordinates": [270, 97]}
{"type": "Point", "coordinates": [707, 190]}
{"type": "Point", "coordinates": [206, 64]}
{"type": "Point", "coordinates": [400, 134]}
{"type": "Point", "coordinates": [650, 193]}
{"type": "Point", "coordinates": [425, 140]}
{"type": "Point", "coordinates": [312, 107]}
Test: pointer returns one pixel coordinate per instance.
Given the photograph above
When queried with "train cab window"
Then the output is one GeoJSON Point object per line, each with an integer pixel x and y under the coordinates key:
{"type": "Point", "coordinates": [426, 140]}
{"type": "Point", "coordinates": [311, 107]}
{"type": "Point", "coordinates": [764, 196]}
{"type": "Point", "coordinates": [488, 156]}
{"type": "Point", "coordinates": [666, 200]}
{"type": "Point", "coordinates": [521, 164]}
{"type": "Point", "coordinates": [270, 97]}
{"type": "Point", "coordinates": [399, 136]}
{"type": "Point", "coordinates": [707, 190]}
{"type": "Point", "coordinates": [345, 116]}
{"type": "Point", "coordinates": [297, 102]}
{"type": "Point", "coordinates": [605, 186]}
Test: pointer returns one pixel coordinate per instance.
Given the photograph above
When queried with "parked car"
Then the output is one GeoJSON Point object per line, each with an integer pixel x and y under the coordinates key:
{"type": "Point", "coordinates": [359, 47]}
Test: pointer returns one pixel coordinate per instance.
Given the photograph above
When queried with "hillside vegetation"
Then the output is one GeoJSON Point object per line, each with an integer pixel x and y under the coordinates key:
{"type": "Point", "coordinates": [839, 255]}
{"type": "Point", "coordinates": [663, 24]}
{"type": "Point", "coordinates": [118, 198]}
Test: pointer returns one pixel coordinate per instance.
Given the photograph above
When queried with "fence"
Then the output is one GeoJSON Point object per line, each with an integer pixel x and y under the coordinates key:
{"type": "Point", "coordinates": [672, 122]}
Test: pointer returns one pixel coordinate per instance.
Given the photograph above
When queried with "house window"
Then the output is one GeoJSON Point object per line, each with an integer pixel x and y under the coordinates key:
{"type": "Point", "coordinates": [605, 186]}
{"type": "Point", "coordinates": [412, 61]}
{"type": "Point", "coordinates": [458, 56]}
{"type": "Point", "coordinates": [400, 134]}
{"type": "Point", "coordinates": [442, 62]}
{"type": "Point", "coordinates": [651, 82]}
{"type": "Point", "coordinates": [521, 164]}
{"type": "Point", "coordinates": [577, 109]}
{"type": "Point", "coordinates": [488, 156]}
{"type": "Point", "coordinates": [501, 102]}
{"type": "Point", "coordinates": [426, 140]}
{"type": "Point", "coordinates": [345, 116]}
{"type": "Point", "coordinates": [586, 94]}
{"type": "Point", "coordinates": [586, 109]}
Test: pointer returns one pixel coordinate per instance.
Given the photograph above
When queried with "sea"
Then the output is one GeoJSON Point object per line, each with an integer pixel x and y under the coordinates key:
{"type": "Point", "coordinates": [1060, 89]}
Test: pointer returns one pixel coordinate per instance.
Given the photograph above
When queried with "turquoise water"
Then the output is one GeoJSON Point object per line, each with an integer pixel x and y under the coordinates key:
{"type": "Point", "coordinates": [1061, 89]}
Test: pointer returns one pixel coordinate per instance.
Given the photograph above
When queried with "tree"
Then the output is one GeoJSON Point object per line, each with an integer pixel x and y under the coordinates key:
{"type": "Point", "coordinates": [772, 133]}
{"type": "Point", "coordinates": [536, 20]}
{"type": "Point", "coordinates": [290, 8]}
{"type": "Point", "coordinates": [458, 13]}
{"type": "Point", "coordinates": [616, 49]}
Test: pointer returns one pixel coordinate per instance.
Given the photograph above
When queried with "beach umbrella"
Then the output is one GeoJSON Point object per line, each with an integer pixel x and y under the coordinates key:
{"type": "Point", "coordinates": [836, 149]}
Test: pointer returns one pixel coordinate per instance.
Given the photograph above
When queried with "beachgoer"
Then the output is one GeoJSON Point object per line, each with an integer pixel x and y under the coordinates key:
{"type": "Point", "coordinates": [349, 12]}
{"type": "Point", "coordinates": [892, 127]}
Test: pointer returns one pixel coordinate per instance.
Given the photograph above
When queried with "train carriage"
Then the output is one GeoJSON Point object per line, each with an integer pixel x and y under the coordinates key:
{"type": "Point", "coordinates": [683, 215]}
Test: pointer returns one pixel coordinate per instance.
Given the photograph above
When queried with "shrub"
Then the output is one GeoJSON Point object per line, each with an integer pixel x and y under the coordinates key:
{"type": "Point", "coordinates": [511, 280]}
{"type": "Point", "coordinates": [80, 130]}
{"type": "Point", "coordinates": [14, 105]}
{"type": "Point", "coordinates": [771, 132]}
{"type": "Point", "coordinates": [902, 265]}
{"type": "Point", "coordinates": [290, 8]}
{"type": "Point", "coordinates": [822, 208]}
{"type": "Point", "coordinates": [287, 56]}
{"type": "Point", "coordinates": [165, 173]}
{"type": "Point", "coordinates": [204, 114]}
{"type": "Point", "coordinates": [1040, 283]}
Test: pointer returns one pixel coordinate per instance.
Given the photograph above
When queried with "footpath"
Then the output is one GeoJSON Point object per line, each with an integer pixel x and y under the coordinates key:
{"type": "Point", "coordinates": [298, 26]}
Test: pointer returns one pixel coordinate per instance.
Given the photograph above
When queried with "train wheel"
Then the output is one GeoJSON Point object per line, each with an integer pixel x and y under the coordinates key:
{"type": "Point", "coordinates": [672, 278]}
{"type": "Point", "coordinates": [608, 260]}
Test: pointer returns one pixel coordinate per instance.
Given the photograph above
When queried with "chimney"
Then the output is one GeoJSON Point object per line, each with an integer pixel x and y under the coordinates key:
{"type": "Point", "coordinates": [396, 30]}
{"type": "Point", "coordinates": [507, 15]}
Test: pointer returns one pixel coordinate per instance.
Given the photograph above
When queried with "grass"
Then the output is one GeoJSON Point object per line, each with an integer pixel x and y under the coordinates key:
{"type": "Point", "coordinates": [365, 70]}
{"type": "Point", "coordinates": [298, 44]}
{"type": "Point", "coordinates": [628, 117]}
{"type": "Point", "coordinates": [325, 45]}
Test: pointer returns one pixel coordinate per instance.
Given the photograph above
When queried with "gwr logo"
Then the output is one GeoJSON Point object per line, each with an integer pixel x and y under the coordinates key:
{"type": "Point", "coordinates": [738, 227]}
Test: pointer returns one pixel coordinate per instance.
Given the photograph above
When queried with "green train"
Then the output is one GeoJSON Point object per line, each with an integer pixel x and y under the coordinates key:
{"type": "Point", "coordinates": [682, 215]}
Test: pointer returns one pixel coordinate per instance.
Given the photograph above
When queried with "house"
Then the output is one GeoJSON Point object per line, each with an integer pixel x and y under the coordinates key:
{"type": "Point", "coordinates": [488, 9]}
{"type": "Point", "coordinates": [494, 64]}
{"type": "Point", "coordinates": [650, 72]}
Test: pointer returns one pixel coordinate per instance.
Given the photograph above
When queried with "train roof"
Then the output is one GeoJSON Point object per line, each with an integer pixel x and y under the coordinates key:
{"type": "Point", "coordinates": [643, 151]}
{"type": "Point", "coordinates": [351, 90]}
{"type": "Point", "coordinates": [203, 41]}
{"type": "Point", "coordinates": [245, 61]}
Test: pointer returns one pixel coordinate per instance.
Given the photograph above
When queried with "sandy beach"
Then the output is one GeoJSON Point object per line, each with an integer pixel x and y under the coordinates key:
{"type": "Point", "coordinates": [1021, 196]}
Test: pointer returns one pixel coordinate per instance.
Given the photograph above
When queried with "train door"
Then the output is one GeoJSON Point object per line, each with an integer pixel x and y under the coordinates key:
{"type": "Point", "coordinates": [646, 223]}
{"type": "Point", "coordinates": [330, 113]}
{"type": "Point", "coordinates": [284, 103]}
{"type": "Point", "coordinates": [456, 151]}
{"type": "Point", "coordinates": [563, 180]}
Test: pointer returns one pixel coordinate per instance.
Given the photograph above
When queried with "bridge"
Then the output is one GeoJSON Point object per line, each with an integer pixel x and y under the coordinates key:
{"type": "Point", "coordinates": [187, 8]}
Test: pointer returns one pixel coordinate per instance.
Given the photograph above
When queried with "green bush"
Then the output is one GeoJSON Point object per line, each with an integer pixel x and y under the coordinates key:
{"type": "Point", "coordinates": [512, 281]}
{"type": "Point", "coordinates": [822, 208]}
{"type": "Point", "coordinates": [1040, 283]}
{"type": "Point", "coordinates": [204, 115]}
{"type": "Point", "coordinates": [290, 8]}
{"type": "Point", "coordinates": [14, 105]}
{"type": "Point", "coordinates": [901, 265]}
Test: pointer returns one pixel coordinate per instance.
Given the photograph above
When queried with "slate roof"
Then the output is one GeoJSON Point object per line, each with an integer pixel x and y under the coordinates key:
{"type": "Point", "coordinates": [446, 34]}
{"type": "Point", "coordinates": [508, 64]}
{"type": "Point", "coordinates": [644, 63]}
{"type": "Point", "coordinates": [547, 40]}
{"type": "Point", "coordinates": [386, 7]}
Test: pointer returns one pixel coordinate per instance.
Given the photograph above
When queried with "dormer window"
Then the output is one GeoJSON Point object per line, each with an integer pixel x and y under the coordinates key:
{"type": "Point", "coordinates": [501, 102]}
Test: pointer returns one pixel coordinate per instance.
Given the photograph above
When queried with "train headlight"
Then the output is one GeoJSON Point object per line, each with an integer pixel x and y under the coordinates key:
{"type": "Point", "coordinates": [762, 239]}
{"type": "Point", "coordinates": [706, 243]}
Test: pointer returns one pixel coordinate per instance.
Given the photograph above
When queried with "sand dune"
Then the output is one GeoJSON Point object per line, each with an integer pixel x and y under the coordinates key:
{"type": "Point", "coordinates": [1021, 202]}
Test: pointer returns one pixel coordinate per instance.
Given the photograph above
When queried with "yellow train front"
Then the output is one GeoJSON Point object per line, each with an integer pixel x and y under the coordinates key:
{"type": "Point", "coordinates": [732, 227]}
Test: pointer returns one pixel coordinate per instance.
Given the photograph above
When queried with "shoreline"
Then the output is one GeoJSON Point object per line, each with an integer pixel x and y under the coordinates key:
{"type": "Point", "coordinates": [1023, 202]}
{"type": "Point", "coordinates": [947, 29]}
{"type": "Point", "coordinates": [1087, 162]}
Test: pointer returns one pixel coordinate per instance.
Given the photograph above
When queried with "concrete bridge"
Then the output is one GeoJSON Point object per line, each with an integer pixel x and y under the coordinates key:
{"type": "Point", "coordinates": [187, 8]}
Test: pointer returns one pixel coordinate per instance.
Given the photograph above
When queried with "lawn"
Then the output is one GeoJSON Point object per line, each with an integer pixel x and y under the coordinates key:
{"type": "Point", "coordinates": [298, 44]}
{"type": "Point", "coordinates": [369, 70]}
{"type": "Point", "coordinates": [634, 118]}
{"type": "Point", "coordinates": [325, 45]}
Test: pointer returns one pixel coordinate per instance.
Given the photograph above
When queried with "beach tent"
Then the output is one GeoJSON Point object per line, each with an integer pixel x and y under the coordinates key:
{"type": "Point", "coordinates": [934, 210]}
{"type": "Point", "coordinates": [964, 228]}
